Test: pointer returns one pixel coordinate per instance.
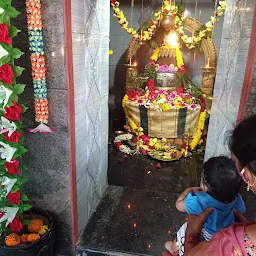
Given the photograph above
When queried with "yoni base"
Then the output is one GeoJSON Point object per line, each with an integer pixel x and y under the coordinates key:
{"type": "Point", "coordinates": [173, 123]}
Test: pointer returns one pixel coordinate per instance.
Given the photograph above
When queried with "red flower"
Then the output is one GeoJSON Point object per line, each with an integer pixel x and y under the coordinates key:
{"type": "Point", "coordinates": [13, 112]}
{"type": "Point", "coordinates": [132, 94]}
{"type": "Point", "coordinates": [152, 63]}
{"type": "Point", "coordinates": [145, 139]}
{"type": "Point", "coordinates": [1, 214]}
{"type": "Point", "coordinates": [6, 73]}
{"type": "Point", "coordinates": [151, 85]}
{"type": "Point", "coordinates": [13, 138]}
{"type": "Point", "coordinates": [4, 36]}
{"type": "Point", "coordinates": [203, 104]}
{"type": "Point", "coordinates": [135, 139]}
{"type": "Point", "coordinates": [158, 166]}
{"type": "Point", "coordinates": [143, 152]}
{"type": "Point", "coordinates": [12, 167]}
{"type": "Point", "coordinates": [182, 70]}
{"type": "Point", "coordinates": [118, 145]}
{"type": "Point", "coordinates": [14, 198]}
{"type": "Point", "coordinates": [16, 225]}
{"type": "Point", "coordinates": [180, 89]}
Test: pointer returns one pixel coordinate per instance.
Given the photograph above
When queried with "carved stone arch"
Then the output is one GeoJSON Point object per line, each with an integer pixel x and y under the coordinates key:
{"type": "Point", "coordinates": [209, 50]}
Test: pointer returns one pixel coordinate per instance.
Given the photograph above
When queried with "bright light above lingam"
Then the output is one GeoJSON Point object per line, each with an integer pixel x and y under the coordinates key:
{"type": "Point", "coordinates": [173, 39]}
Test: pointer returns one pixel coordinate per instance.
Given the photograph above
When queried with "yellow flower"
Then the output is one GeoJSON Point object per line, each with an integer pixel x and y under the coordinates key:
{"type": "Point", "coordinates": [158, 146]}
{"type": "Point", "coordinates": [179, 58]}
{"type": "Point", "coordinates": [110, 52]}
{"type": "Point", "coordinates": [43, 230]}
{"type": "Point", "coordinates": [179, 105]}
{"type": "Point", "coordinates": [155, 54]}
{"type": "Point", "coordinates": [209, 25]}
{"type": "Point", "coordinates": [197, 137]}
{"type": "Point", "coordinates": [165, 107]}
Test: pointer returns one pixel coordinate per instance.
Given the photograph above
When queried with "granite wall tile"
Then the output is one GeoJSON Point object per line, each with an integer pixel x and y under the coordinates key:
{"type": "Point", "coordinates": [91, 75]}
{"type": "Point", "coordinates": [230, 74]}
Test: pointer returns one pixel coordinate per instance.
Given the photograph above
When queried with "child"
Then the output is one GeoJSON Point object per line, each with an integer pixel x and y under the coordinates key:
{"type": "Point", "coordinates": [219, 189]}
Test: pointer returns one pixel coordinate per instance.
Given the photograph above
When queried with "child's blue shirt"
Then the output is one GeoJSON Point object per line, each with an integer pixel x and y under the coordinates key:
{"type": "Point", "coordinates": [222, 216]}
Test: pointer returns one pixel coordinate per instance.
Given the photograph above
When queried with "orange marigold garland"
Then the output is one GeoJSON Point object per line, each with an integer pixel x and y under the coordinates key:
{"type": "Point", "coordinates": [35, 25]}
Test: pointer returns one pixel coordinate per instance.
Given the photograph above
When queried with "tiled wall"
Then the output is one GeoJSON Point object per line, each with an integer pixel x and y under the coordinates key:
{"type": "Point", "coordinates": [231, 69]}
{"type": "Point", "coordinates": [47, 157]}
{"type": "Point", "coordinates": [119, 42]}
{"type": "Point", "coordinates": [90, 32]}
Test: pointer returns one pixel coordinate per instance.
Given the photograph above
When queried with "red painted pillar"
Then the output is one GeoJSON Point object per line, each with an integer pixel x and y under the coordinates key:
{"type": "Point", "coordinates": [71, 116]}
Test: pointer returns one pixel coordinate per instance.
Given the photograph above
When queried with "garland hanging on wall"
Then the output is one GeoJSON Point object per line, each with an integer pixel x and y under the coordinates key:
{"type": "Point", "coordinates": [12, 198]}
{"type": "Point", "coordinates": [36, 47]}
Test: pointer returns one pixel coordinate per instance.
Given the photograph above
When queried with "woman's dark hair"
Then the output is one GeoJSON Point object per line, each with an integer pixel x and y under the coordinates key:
{"type": "Point", "coordinates": [243, 141]}
{"type": "Point", "coordinates": [221, 178]}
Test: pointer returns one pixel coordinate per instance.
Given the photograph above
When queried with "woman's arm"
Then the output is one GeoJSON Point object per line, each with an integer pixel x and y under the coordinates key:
{"type": "Point", "coordinates": [195, 224]}
{"type": "Point", "coordinates": [180, 205]}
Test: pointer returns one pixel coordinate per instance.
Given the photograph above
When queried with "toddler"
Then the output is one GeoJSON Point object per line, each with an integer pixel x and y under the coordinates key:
{"type": "Point", "coordinates": [219, 189]}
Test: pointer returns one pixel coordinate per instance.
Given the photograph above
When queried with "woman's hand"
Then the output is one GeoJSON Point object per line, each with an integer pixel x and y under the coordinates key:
{"type": "Point", "coordinates": [239, 217]}
{"type": "Point", "coordinates": [195, 222]}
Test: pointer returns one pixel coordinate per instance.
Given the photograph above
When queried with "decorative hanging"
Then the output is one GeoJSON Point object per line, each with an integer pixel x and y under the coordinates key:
{"type": "Point", "coordinates": [144, 35]}
{"type": "Point", "coordinates": [12, 199]}
{"type": "Point", "coordinates": [205, 31]}
{"type": "Point", "coordinates": [35, 25]}
{"type": "Point", "coordinates": [169, 8]}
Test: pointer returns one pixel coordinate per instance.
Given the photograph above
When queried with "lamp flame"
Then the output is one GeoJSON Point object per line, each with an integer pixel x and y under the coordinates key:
{"type": "Point", "coordinates": [173, 39]}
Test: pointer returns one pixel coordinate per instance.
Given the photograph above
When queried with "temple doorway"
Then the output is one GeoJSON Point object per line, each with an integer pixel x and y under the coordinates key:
{"type": "Point", "coordinates": [160, 102]}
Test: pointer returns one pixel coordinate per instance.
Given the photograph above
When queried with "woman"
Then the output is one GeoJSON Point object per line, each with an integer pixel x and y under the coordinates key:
{"type": "Point", "coordinates": [238, 239]}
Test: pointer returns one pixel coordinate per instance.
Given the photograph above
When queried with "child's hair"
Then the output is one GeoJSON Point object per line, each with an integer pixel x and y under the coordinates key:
{"type": "Point", "coordinates": [221, 178]}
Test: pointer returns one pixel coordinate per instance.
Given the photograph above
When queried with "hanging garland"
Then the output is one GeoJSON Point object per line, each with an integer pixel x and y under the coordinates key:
{"type": "Point", "coordinates": [146, 34]}
{"type": "Point", "coordinates": [171, 8]}
{"type": "Point", "coordinates": [34, 19]}
{"type": "Point", "coordinates": [12, 199]}
{"type": "Point", "coordinates": [199, 132]}
{"type": "Point", "coordinates": [204, 32]}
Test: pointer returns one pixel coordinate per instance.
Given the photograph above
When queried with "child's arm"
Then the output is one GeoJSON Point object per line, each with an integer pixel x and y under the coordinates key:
{"type": "Point", "coordinates": [180, 205]}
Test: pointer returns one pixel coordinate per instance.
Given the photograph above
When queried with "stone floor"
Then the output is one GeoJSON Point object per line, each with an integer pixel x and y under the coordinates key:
{"type": "Point", "coordinates": [137, 214]}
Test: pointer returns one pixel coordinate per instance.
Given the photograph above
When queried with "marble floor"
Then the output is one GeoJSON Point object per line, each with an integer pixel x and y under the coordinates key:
{"type": "Point", "coordinates": [137, 214]}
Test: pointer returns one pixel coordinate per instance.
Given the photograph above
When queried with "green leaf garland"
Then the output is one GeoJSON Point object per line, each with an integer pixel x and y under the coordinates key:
{"type": "Point", "coordinates": [12, 198]}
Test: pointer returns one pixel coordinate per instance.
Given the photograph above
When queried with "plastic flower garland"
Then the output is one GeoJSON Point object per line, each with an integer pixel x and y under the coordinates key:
{"type": "Point", "coordinates": [37, 58]}
{"type": "Point", "coordinates": [12, 199]}
{"type": "Point", "coordinates": [192, 41]}
{"type": "Point", "coordinates": [145, 34]}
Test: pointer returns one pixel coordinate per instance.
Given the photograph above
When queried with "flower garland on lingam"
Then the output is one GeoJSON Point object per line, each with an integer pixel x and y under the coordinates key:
{"type": "Point", "coordinates": [36, 43]}
{"type": "Point", "coordinates": [177, 11]}
{"type": "Point", "coordinates": [161, 100]}
{"type": "Point", "coordinates": [13, 202]}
